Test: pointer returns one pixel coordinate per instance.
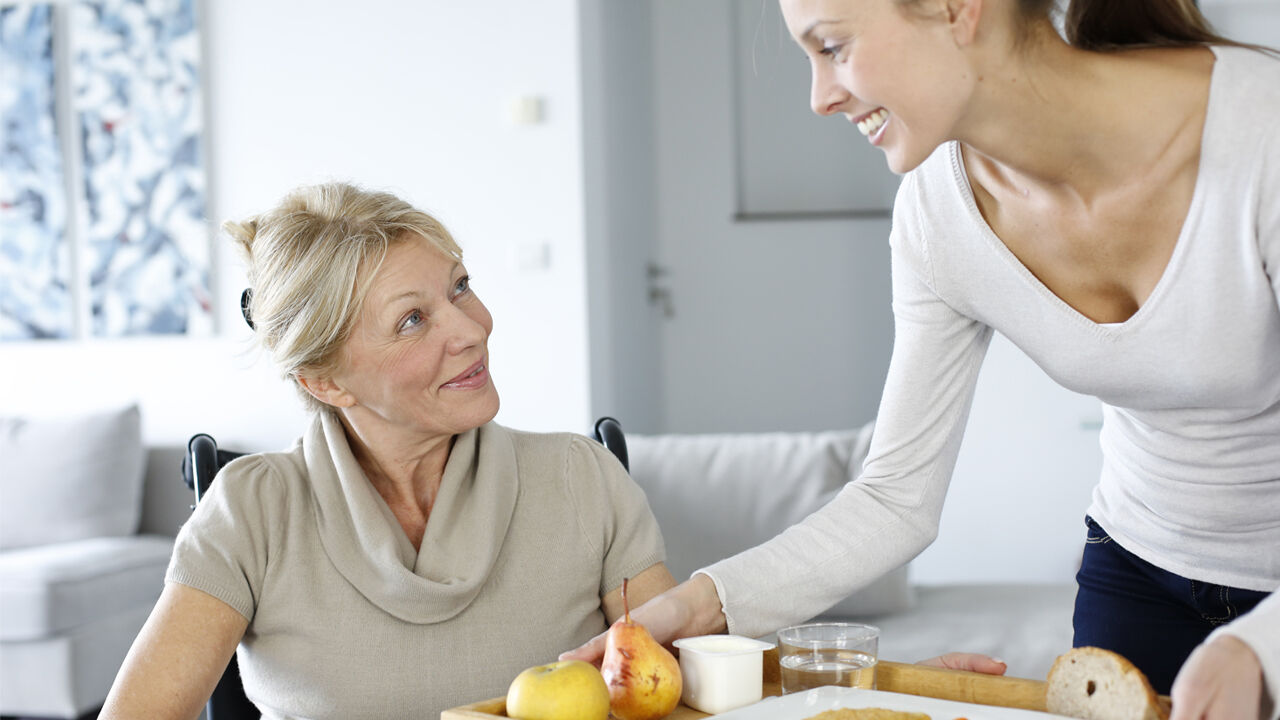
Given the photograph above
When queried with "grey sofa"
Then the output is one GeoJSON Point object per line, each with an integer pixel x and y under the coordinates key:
{"type": "Point", "coordinates": [717, 494]}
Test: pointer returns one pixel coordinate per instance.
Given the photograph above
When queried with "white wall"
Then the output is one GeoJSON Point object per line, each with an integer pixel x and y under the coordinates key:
{"type": "Point", "coordinates": [1253, 21]}
{"type": "Point", "coordinates": [414, 97]}
{"type": "Point", "coordinates": [411, 97]}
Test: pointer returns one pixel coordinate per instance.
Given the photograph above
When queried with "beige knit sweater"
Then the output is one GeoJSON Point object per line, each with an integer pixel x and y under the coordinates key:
{"type": "Point", "coordinates": [347, 620]}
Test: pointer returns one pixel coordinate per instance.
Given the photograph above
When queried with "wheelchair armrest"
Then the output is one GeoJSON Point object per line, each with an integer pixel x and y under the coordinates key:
{"type": "Point", "coordinates": [609, 432]}
{"type": "Point", "coordinates": [201, 463]}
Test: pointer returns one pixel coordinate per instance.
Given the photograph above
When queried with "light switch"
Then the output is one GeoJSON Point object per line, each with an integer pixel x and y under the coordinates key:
{"type": "Point", "coordinates": [526, 110]}
{"type": "Point", "coordinates": [532, 257]}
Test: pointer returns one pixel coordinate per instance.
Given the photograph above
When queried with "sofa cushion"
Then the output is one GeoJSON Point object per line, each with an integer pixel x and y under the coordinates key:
{"type": "Point", "coordinates": [51, 589]}
{"type": "Point", "coordinates": [70, 478]}
{"type": "Point", "coordinates": [716, 495]}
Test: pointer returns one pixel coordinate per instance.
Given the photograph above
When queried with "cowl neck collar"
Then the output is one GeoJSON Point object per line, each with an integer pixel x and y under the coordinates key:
{"type": "Point", "coordinates": [464, 534]}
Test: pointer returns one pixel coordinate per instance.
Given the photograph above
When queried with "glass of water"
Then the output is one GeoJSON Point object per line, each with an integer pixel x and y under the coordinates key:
{"type": "Point", "coordinates": [836, 653]}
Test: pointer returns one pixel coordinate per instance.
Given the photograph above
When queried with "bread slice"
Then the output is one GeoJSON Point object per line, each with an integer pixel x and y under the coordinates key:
{"type": "Point", "coordinates": [1095, 684]}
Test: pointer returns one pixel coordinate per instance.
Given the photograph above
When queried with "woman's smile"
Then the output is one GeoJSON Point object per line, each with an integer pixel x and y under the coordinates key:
{"type": "Point", "coordinates": [476, 376]}
{"type": "Point", "coordinates": [872, 125]}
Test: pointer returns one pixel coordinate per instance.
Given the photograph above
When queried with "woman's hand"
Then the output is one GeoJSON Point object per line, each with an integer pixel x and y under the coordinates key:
{"type": "Point", "coordinates": [1221, 679]}
{"type": "Point", "coordinates": [690, 608]}
{"type": "Point", "coordinates": [972, 662]}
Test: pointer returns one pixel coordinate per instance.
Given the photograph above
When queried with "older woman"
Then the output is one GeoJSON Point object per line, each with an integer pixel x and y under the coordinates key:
{"type": "Point", "coordinates": [407, 554]}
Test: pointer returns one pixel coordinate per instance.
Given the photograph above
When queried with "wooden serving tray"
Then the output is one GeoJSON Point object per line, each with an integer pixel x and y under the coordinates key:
{"type": "Point", "coordinates": [894, 677]}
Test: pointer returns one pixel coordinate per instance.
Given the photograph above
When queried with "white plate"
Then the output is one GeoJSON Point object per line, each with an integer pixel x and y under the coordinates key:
{"type": "Point", "coordinates": [799, 706]}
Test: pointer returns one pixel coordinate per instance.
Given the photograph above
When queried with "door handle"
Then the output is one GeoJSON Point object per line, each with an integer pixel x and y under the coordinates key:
{"type": "Point", "coordinates": [659, 292]}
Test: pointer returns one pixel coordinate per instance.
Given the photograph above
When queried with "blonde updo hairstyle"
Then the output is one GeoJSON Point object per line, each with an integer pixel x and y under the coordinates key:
{"type": "Point", "coordinates": [309, 264]}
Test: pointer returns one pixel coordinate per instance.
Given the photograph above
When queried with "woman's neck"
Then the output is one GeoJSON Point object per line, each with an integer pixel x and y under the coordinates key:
{"type": "Point", "coordinates": [405, 470]}
{"type": "Point", "coordinates": [1054, 118]}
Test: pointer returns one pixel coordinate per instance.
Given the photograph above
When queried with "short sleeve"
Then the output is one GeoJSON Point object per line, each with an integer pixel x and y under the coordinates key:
{"type": "Point", "coordinates": [224, 549]}
{"type": "Point", "coordinates": [614, 513]}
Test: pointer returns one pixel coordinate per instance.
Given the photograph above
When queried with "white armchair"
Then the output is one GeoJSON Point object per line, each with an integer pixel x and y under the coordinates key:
{"type": "Point", "coordinates": [76, 581]}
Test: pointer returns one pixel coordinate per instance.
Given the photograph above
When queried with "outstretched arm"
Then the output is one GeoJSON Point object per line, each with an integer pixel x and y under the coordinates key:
{"type": "Point", "coordinates": [693, 608]}
{"type": "Point", "coordinates": [688, 609]}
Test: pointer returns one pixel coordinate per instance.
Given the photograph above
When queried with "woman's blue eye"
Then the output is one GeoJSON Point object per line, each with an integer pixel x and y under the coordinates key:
{"type": "Point", "coordinates": [412, 319]}
{"type": "Point", "coordinates": [464, 284]}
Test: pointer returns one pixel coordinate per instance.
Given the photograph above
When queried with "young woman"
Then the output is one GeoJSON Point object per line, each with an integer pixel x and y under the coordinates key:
{"type": "Point", "coordinates": [1111, 203]}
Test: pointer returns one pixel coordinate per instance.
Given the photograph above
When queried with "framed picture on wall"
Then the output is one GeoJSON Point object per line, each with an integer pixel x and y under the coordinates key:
{"type": "Point", "coordinates": [102, 179]}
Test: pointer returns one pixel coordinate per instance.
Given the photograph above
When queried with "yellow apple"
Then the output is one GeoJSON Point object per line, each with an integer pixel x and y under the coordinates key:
{"type": "Point", "coordinates": [565, 690]}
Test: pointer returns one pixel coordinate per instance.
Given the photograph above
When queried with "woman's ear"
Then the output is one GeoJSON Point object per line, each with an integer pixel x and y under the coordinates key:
{"type": "Point", "coordinates": [963, 17]}
{"type": "Point", "coordinates": [326, 390]}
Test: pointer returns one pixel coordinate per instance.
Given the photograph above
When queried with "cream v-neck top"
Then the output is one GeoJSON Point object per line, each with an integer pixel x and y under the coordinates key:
{"type": "Point", "coordinates": [347, 620]}
{"type": "Point", "coordinates": [1190, 384]}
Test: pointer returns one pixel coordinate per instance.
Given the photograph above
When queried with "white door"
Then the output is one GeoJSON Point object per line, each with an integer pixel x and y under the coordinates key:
{"type": "Point", "coordinates": [775, 324]}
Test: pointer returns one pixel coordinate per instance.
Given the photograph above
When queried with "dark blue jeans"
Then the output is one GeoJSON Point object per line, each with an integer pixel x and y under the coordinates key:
{"type": "Point", "coordinates": [1153, 617]}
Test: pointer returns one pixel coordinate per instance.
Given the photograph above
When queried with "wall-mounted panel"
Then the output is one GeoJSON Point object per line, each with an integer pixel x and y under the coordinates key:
{"type": "Point", "coordinates": [35, 252]}
{"type": "Point", "coordinates": [136, 84]}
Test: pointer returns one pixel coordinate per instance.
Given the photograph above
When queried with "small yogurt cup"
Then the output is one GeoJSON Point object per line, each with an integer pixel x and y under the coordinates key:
{"type": "Point", "coordinates": [721, 672]}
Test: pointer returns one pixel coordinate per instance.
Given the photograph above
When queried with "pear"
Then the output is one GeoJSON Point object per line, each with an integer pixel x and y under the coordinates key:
{"type": "Point", "coordinates": [643, 677]}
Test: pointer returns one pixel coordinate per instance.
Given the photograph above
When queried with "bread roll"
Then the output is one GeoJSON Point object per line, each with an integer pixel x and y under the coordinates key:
{"type": "Point", "coordinates": [1095, 684]}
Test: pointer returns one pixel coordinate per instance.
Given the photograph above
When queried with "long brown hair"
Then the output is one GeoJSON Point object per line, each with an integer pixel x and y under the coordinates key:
{"type": "Point", "coordinates": [1115, 24]}
{"type": "Point", "coordinates": [1109, 24]}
